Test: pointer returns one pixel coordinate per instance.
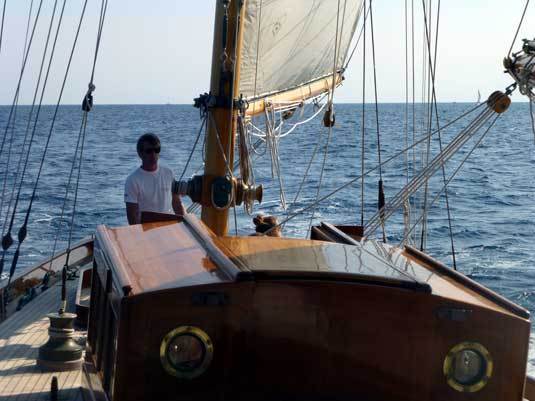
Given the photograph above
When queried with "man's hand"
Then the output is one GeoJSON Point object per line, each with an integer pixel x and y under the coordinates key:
{"type": "Point", "coordinates": [178, 207]}
{"type": "Point", "coordinates": [132, 213]}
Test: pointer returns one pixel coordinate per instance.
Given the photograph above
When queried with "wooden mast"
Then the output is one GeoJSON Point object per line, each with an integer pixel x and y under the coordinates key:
{"type": "Point", "coordinates": [224, 85]}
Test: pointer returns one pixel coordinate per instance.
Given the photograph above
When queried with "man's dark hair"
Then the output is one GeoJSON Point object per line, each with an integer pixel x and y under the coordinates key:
{"type": "Point", "coordinates": [149, 138]}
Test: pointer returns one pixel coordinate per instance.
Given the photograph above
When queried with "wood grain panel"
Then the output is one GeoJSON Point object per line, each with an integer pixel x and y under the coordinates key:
{"type": "Point", "coordinates": [158, 255]}
{"type": "Point", "coordinates": [373, 258]}
{"type": "Point", "coordinates": [308, 340]}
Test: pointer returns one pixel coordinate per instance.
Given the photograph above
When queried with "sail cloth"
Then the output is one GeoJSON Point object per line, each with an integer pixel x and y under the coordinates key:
{"type": "Point", "coordinates": [290, 43]}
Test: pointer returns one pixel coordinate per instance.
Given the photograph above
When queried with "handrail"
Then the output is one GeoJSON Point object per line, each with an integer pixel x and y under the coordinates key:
{"type": "Point", "coordinates": [86, 242]}
{"type": "Point", "coordinates": [469, 283]}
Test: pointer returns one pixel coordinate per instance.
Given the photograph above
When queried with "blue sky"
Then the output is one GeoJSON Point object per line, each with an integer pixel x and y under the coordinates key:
{"type": "Point", "coordinates": [160, 51]}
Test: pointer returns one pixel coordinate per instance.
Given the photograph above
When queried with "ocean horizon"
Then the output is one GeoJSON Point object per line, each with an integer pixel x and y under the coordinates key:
{"type": "Point", "coordinates": [491, 198]}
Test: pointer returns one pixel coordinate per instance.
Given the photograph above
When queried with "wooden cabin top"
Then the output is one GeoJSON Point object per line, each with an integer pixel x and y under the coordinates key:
{"type": "Point", "coordinates": [163, 255]}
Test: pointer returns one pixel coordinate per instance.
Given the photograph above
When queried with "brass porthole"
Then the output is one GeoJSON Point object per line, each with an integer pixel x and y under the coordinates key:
{"type": "Point", "coordinates": [186, 352]}
{"type": "Point", "coordinates": [468, 367]}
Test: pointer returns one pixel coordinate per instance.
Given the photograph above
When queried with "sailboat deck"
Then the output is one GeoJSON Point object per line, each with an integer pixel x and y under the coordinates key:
{"type": "Point", "coordinates": [21, 335]}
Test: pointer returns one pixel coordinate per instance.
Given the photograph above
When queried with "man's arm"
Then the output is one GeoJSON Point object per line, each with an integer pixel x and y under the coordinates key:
{"type": "Point", "coordinates": [132, 213]}
{"type": "Point", "coordinates": [178, 207]}
{"type": "Point", "coordinates": [131, 199]}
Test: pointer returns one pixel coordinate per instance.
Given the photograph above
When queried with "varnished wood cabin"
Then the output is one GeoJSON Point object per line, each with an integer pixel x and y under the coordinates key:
{"type": "Point", "coordinates": [288, 319]}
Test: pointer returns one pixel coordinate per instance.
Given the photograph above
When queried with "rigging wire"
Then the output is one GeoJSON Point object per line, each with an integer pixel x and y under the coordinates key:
{"type": "Point", "coordinates": [358, 38]}
{"type": "Point", "coordinates": [23, 230]}
{"type": "Point", "coordinates": [532, 117]}
{"type": "Point", "coordinates": [31, 109]}
{"type": "Point", "coordinates": [407, 205]}
{"type": "Point", "coordinates": [63, 306]}
{"type": "Point", "coordinates": [406, 122]}
{"type": "Point", "coordinates": [518, 28]}
{"type": "Point", "coordinates": [272, 144]}
{"type": "Point", "coordinates": [330, 109]}
{"type": "Point", "coordinates": [103, 11]}
{"type": "Point", "coordinates": [420, 179]}
{"type": "Point", "coordinates": [434, 102]}
{"type": "Point", "coordinates": [27, 28]}
{"type": "Point", "coordinates": [363, 122]}
{"type": "Point", "coordinates": [226, 153]}
{"type": "Point", "coordinates": [7, 240]}
{"type": "Point", "coordinates": [8, 161]}
{"type": "Point", "coordinates": [235, 221]}
{"type": "Point", "coordinates": [381, 196]}
{"type": "Point", "coordinates": [80, 160]}
{"type": "Point", "coordinates": [476, 145]}
{"type": "Point", "coordinates": [426, 65]}
{"type": "Point", "coordinates": [368, 172]}
{"type": "Point", "coordinates": [245, 162]}
{"type": "Point", "coordinates": [87, 105]}
{"type": "Point", "coordinates": [312, 157]}
{"type": "Point", "coordinates": [203, 123]}
{"type": "Point", "coordinates": [2, 24]}
{"type": "Point", "coordinates": [428, 121]}
{"type": "Point", "coordinates": [17, 91]}
{"type": "Point", "coordinates": [220, 145]}
{"type": "Point", "coordinates": [413, 169]}
{"type": "Point", "coordinates": [326, 152]}
{"type": "Point", "coordinates": [230, 134]}
{"type": "Point", "coordinates": [65, 197]}
{"type": "Point", "coordinates": [257, 50]}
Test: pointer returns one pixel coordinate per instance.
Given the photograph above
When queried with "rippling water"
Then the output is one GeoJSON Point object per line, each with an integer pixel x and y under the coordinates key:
{"type": "Point", "coordinates": [492, 198]}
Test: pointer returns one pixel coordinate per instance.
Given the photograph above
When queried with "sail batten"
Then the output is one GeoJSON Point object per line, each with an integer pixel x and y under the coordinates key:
{"type": "Point", "coordinates": [291, 43]}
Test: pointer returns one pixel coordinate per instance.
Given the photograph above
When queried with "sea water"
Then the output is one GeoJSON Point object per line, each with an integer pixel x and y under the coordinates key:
{"type": "Point", "coordinates": [491, 198]}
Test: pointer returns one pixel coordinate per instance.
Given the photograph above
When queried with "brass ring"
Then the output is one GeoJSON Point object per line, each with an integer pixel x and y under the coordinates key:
{"type": "Point", "coordinates": [204, 340]}
{"type": "Point", "coordinates": [448, 369]}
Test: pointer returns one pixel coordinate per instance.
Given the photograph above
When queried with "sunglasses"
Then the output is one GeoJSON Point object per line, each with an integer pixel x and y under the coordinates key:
{"type": "Point", "coordinates": [148, 151]}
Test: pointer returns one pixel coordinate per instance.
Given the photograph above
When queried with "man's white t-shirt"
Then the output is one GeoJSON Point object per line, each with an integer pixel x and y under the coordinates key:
{"type": "Point", "coordinates": [151, 190]}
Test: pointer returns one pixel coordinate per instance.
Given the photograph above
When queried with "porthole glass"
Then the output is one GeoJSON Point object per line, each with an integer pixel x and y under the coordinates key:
{"type": "Point", "coordinates": [186, 352]}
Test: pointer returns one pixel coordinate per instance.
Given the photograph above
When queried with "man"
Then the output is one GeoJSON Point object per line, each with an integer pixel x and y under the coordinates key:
{"type": "Point", "coordinates": [148, 188]}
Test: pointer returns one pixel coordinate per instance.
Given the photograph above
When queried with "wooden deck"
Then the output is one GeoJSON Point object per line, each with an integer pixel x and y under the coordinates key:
{"type": "Point", "coordinates": [21, 335]}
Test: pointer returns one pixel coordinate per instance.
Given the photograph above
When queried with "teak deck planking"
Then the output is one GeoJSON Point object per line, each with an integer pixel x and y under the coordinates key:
{"type": "Point", "coordinates": [21, 335]}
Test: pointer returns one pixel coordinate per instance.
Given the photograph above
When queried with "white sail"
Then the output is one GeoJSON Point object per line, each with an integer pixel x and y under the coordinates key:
{"type": "Point", "coordinates": [290, 43]}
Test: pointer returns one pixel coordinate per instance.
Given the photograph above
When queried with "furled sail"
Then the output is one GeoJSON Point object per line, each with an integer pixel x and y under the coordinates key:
{"type": "Point", "coordinates": [289, 44]}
